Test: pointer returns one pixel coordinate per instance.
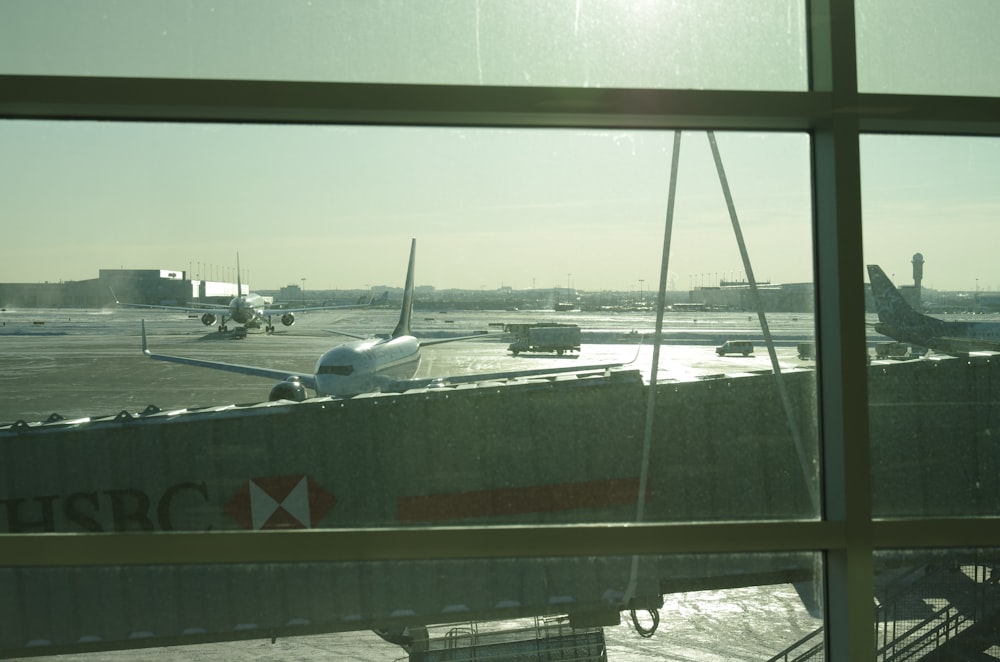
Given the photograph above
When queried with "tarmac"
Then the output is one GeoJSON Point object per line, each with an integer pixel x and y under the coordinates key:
{"type": "Point", "coordinates": [752, 623]}
{"type": "Point", "coordinates": [78, 363]}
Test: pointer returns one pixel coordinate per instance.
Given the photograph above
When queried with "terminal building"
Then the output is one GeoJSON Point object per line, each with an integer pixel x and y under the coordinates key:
{"type": "Point", "coordinates": [169, 287]}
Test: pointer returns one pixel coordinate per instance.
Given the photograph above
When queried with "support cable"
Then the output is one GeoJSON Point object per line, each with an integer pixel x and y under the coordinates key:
{"type": "Point", "coordinates": [804, 463]}
{"type": "Point", "coordinates": [640, 508]}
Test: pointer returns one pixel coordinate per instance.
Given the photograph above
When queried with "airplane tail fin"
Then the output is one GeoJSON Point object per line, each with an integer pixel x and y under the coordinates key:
{"type": "Point", "coordinates": [403, 327]}
{"type": "Point", "coordinates": [239, 282]}
{"type": "Point", "coordinates": [897, 319]}
{"type": "Point", "coordinates": [890, 305]}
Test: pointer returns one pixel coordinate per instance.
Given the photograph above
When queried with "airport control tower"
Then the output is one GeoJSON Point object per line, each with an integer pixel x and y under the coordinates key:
{"type": "Point", "coordinates": [918, 276]}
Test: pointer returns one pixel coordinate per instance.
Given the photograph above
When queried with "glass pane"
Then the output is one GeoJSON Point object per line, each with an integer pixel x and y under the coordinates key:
{"type": "Point", "coordinates": [937, 603]}
{"type": "Point", "coordinates": [548, 241]}
{"type": "Point", "coordinates": [930, 207]}
{"type": "Point", "coordinates": [691, 44]}
{"type": "Point", "coordinates": [699, 607]}
{"type": "Point", "coordinates": [928, 47]}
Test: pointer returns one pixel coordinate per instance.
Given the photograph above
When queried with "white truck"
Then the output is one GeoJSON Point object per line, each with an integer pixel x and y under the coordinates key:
{"type": "Point", "coordinates": [544, 337]}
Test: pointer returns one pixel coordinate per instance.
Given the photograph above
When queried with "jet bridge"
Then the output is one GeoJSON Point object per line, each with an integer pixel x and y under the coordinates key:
{"type": "Point", "coordinates": [550, 451]}
{"type": "Point", "coordinates": [561, 450]}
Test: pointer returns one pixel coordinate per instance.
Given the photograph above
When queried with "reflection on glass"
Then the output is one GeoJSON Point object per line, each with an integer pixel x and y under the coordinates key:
{"type": "Point", "coordinates": [927, 47]}
{"type": "Point", "coordinates": [695, 44]}
{"type": "Point", "coordinates": [721, 607]}
{"type": "Point", "coordinates": [930, 206]}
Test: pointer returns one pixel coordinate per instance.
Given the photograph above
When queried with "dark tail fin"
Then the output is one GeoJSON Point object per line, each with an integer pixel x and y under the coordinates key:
{"type": "Point", "coordinates": [403, 327]}
{"type": "Point", "coordinates": [898, 320]}
{"type": "Point", "coordinates": [890, 305]}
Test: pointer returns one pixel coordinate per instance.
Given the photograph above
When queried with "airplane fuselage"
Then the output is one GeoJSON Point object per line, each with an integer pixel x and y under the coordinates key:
{"type": "Point", "coordinates": [383, 364]}
{"type": "Point", "coordinates": [247, 309]}
{"type": "Point", "coordinates": [947, 336]}
{"type": "Point", "coordinates": [364, 366]}
{"type": "Point", "coordinates": [898, 320]}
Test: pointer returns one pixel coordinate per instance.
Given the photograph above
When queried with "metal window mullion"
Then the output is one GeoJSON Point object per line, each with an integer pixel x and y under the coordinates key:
{"type": "Point", "coordinates": [843, 401]}
{"type": "Point", "coordinates": [333, 545]}
{"type": "Point", "coordinates": [281, 102]}
{"type": "Point", "coordinates": [431, 543]}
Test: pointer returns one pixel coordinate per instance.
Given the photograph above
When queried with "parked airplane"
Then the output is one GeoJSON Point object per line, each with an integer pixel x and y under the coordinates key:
{"type": "Point", "coordinates": [251, 309]}
{"type": "Point", "coordinates": [898, 320]}
{"type": "Point", "coordinates": [366, 365]}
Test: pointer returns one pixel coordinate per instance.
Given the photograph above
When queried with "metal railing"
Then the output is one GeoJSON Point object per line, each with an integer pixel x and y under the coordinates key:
{"type": "Point", "coordinates": [975, 598]}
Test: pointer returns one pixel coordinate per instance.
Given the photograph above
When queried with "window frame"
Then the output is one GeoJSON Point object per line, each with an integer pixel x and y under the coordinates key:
{"type": "Point", "coordinates": [832, 112]}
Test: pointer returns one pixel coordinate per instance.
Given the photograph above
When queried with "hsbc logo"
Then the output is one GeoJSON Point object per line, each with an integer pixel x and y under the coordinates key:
{"type": "Point", "coordinates": [280, 502]}
{"type": "Point", "coordinates": [274, 502]}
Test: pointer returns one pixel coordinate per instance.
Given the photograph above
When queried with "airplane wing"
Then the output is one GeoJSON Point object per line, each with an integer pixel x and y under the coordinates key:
{"type": "Point", "coordinates": [437, 341]}
{"type": "Point", "coordinates": [423, 343]}
{"type": "Point", "coordinates": [348, 334]}
{"type": "Point", "coordinates": [268, 310]}
{"type": "Point", "coordinates": [398, 386]}
{"type": "Point", "coordinates": [963, 344]}
{"type": "Point", "coordinates": [190, 308]}
{"type": "Point", "coordinates": [307, 380]}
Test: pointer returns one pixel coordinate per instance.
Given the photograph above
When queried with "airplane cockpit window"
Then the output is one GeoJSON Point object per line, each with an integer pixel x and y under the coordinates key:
{"type": "Point", "coordinates": [342, 370]}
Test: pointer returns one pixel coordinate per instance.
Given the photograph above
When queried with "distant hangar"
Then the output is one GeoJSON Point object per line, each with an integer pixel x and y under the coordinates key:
{"type": "Point", "coordinates": [146, 286]}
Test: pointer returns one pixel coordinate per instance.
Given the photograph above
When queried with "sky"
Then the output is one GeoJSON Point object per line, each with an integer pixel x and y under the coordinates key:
{"type": "Point", "coordinates": [490, 208]}
{"type": "Point", "coordinates": [335, 207]}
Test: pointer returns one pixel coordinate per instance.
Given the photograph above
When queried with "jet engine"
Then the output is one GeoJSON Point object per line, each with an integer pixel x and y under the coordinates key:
{"type": "Point", "coordinates": [290, 389]}
{"type": "Point", "coordinates": [208, 319]}
{"type": "Point", "coordinates": [288, 319]}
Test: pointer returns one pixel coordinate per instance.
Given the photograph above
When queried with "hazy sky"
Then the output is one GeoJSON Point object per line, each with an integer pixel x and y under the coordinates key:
{"type": "Point", "coordinates": [523, 208]}
{"type": "Point", "coordinates": [336, 206]}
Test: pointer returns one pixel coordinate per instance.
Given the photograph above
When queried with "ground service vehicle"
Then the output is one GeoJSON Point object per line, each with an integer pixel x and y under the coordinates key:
{"type": "Point", "coordinates": [744, 347]}
{"type": "Point", "coordinates": [544, 337]}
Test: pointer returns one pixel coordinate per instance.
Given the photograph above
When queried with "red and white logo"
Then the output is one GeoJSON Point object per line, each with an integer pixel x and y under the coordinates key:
{"type": "Point", "coordinates": [280, 502]}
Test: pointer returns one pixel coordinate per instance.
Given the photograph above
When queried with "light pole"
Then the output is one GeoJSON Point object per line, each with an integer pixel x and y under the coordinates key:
{"type": "Point", "coordinates": [641, 300]}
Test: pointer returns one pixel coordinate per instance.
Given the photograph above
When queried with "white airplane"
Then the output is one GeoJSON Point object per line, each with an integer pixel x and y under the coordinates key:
{"type": "Point", "coordinates": [251, 309]}
{"type": "Point", "coordinates": [898, 320]}
{"type": "Point", "coordinates": [382, 364]}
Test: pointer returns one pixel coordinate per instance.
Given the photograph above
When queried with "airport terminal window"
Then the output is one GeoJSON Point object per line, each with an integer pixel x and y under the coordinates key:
{"type": "Point", "coordinates": [932, 409]}
{"type": "Point", "coordinates": [564, 227]}
{"type": "Point", "coordinates": [694, 44]}
{"type": "Point", "coordinates": [847, 536]}
{"type": "Point", "coordinates": [928, 47]}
